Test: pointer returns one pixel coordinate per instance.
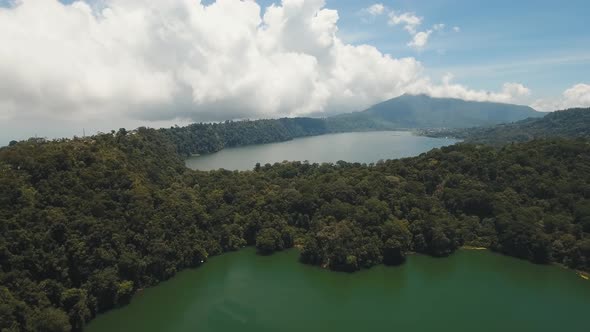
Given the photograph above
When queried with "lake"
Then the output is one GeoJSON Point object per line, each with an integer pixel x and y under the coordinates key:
{"type": "Point", "coordinates": [469, 291]}
{"type": "Point", "coordinates": [364, 147]}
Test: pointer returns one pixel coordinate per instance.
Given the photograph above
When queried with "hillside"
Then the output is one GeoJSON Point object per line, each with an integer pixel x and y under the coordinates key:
{"type": "Point", "coordinates": [422, 111]}
{"type": "Point", "coordinates": [88, 222]}
{"type": "Point", "coordinates": [85, 223]}
{"type": "Point", "coordinates": [571, 123]}
{"type": "Point", "coordinates": [199, 138]}
{"type": "Point", "coordinates": [405, 112]}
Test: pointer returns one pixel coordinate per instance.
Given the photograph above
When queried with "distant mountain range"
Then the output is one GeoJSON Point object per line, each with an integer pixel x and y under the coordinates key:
{"type": "Point", "coordinates": [422, 111]}
{"type": "Point", "coordinates": [570, 123]}
{"type": "Point", "coordinates": [405, 112]}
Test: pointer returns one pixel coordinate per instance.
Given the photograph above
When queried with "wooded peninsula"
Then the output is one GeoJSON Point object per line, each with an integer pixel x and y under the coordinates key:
{"type": "Point", "coordinates": [86, 222]}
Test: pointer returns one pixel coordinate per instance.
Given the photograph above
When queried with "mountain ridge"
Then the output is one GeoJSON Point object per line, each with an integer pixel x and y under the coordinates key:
{"type": "Point", "coordinates": [570, 123]}
{"type": "Point", "coordinates": [422, 111]}
{"type": "Point", "coordinates": [406, 112]}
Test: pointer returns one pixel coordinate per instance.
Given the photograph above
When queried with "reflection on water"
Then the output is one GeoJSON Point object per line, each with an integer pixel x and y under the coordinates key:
{"type": "Point", "coordinates": [470, 290]}
{"type": "Point", "coordinates": [366, 147]}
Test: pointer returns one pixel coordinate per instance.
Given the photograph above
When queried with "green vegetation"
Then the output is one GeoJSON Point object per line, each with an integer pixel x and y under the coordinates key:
{"type": "Point", "coordinates": [403, 112]}
{"type": "Point", "coordinates": [202, 138]}
{"type": "Point", "coordinates": [84, 223]}
{"type": "Point", "coordinates": [422, 111]}
{"type": "Point", "coordinates": [570, 123]}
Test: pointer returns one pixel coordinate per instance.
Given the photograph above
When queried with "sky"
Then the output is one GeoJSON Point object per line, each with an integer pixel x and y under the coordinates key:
{"type": "Point", "coordinates": [85, 66]}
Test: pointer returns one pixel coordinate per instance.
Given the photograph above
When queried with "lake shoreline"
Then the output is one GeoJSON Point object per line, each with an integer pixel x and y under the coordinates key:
{"type": "Point", "coordinates": [207, 300]}
{"type": "Point", "coordinates": [413, 131]}
{"type": "Point", "coordinates": [473, 248]}
{"type": "Point", "coordinates": [367, 147]}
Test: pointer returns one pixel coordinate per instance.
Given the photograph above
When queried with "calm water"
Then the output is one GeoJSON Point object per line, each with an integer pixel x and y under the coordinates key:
{"type": "Point", "coordinates": [470, 291]}
{"type": "Point", "coordinates": [352, 147]}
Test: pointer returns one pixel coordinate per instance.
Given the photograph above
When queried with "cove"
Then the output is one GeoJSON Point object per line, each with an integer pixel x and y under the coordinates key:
{"type": "Point", "coordinates": [468, 291]}
{"type": "Point", "coordinates": [363, 147]}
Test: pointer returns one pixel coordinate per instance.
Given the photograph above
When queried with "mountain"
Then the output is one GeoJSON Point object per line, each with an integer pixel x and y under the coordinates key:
{"type": "Point", "coordinates": [407, 111]}
{"type": "Point", "coordinates": [404, 112]}
{"type": "Point", "coordinates": [422, 111]}
{"type": "Point", "coordinates": [571, 123]}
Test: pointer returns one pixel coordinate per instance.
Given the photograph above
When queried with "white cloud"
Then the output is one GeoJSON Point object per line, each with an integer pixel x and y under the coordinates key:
{"type": "Point", "coordinates": [578, 94]}
{"type": "Point", "coordinates": [180, 59]}
{"type": "Point", "coordinates": [456, 29]}
{"type": "Point", "coordinates": [575, 96]}
{"type": "Point", "coordinates": [439, 27]}
{"type": "Point", "coordinates": [510, 92]}
{"type": "Point", "coordinates": [516, 89]}
{"type": "Point", "coordinates": [375, 9]}
{"type": "Point", "coordinates": [409, 20]}
{"type": "Point", "coordinates": [420, 39]}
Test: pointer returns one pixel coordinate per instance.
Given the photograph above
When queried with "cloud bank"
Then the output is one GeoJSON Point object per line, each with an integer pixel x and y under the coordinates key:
{"type": "Point", "coordinates": [181, 59]}
{"type": "Point", "coordinates": [576, 96]}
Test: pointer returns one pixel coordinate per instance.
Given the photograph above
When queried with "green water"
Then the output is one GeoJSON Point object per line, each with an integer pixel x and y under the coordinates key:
{"type": "Point", "coordinates": [469, 291]}
{"type": "Point", "coordinates": [365, 147]}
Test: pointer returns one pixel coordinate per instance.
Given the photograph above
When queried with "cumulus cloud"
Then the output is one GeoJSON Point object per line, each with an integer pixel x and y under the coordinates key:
{"type": "Point", "coordinates": [375, 9]}
{"type": "Point", "coordinates": [409, 20]}
{"type": "Point", "coordinates": [456, 29]}
{"type": "Point", "coordinates": [575, 96]}
{"type": "Point", "coordinates": [510, 92]}
{"type": "Point", "coordinates": [182, 59]}
{"type": "Point", "coordinates": [578, 94]}
{"type": "Point", "coordinates": [420, 39]}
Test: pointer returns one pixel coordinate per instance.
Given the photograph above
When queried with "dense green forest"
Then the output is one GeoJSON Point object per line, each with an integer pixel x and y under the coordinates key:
{"type": "Point", "coordinates": [404, 112]}
{"type": "Point", "coordinates": [570, 123]}
{"type": "Point", "coordinates": [202, 138]}
{"type": "Point", "coordinates": [84, 223]}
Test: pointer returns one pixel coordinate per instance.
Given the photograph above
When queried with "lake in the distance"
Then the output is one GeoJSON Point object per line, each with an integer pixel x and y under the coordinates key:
{"type": "Point", "coordinates": [363, 147]}
{"type": "Point", "coordinates": [469, 291]}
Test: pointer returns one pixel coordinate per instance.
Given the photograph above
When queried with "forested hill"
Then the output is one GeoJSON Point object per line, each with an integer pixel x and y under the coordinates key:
{"type": "Point", "coordinates": [202, 138]}
{"type": "Point", "coordinates": [422, 111]}
{"type": "Point", "coordinates": [570, 123]}
{"type": "Point", "coordinates": [405, 112]}
{"type": "Point", "coordinates": [85, 223]}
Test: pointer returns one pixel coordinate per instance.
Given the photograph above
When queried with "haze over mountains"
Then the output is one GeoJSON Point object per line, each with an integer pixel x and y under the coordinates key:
{"type": "Point", "coordinates": [571, 123]}
{"type": "Point", "coordinates": [405, 112]}
{"type": "Point", "coordinates": [422, 111]}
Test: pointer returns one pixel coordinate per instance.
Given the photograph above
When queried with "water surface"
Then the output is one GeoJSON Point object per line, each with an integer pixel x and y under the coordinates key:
{"type": "Point", "coordinates": [365, 147]}
{"type": "Point", "coordinates": [469, 291]}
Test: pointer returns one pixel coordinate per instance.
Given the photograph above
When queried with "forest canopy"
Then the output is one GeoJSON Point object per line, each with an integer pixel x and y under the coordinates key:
{"type": "Point", "coordinates": [571, 123]}
{"type": "Point", "coordinates": [86, 222]}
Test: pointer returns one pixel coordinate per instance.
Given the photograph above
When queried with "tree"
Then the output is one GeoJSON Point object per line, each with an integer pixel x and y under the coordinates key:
{"type": "Point", "coordinates": [268, 241]}
{"type": "Point", "coordinates": [51, 320]}
{"type": "Point", "coordinates": [86, 222]}
{"type": "Point", "coordinates": [75, 303]}
{"type": "Point", "coordinates": [396, 241]}
{"type": "Point", "coordinates": [125, 291]}
{"type": "Point", "coordinates": [440, 244]}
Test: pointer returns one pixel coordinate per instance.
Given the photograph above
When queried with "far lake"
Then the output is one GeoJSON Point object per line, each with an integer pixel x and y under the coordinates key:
{"type": "Point", "coordinates": [469, 291]}
{"type": "Point", "coordinates": [364, 147]}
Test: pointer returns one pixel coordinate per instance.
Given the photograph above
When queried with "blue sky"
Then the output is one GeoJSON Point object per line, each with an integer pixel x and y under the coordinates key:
{"type": "Point", "coordinates": [543, 44]}
{"type": "Point", "coordinates": [148, 63]}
